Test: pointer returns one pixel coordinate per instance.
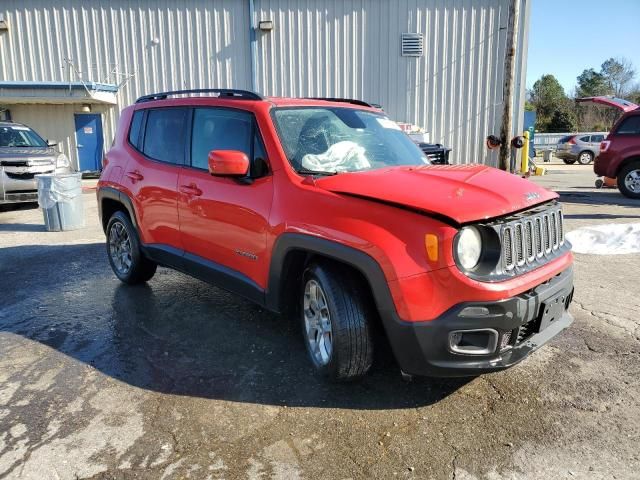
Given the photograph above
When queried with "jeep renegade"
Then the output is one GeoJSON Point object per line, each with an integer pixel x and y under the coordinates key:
{"type": "Point", "coordinates": [327, 211]}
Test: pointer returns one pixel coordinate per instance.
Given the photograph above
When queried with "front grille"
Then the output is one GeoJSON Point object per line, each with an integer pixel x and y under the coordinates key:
{"type": "Point", "coordinates": [507, 248]}
{"type": "Point", "coordinates": [528, 232]}
{"type": "Point", "coordinates": [20, 176]}
{"type": "Point", "coordinates": [14, 163]}
{"type": "Point", "coordinates": [531, 237]}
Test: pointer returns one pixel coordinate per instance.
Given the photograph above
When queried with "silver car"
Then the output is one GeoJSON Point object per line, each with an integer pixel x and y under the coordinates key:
{"type": "Point", "coordinates": [581, 148]}
{"type": "Point", "coordinates": [24, 154]}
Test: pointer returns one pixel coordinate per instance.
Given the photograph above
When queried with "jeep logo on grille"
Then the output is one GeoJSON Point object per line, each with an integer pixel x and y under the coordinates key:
{"type": "Point", "coordinates": [531, 196]}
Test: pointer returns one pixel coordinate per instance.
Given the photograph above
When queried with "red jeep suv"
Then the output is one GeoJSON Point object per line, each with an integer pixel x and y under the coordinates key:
{"type": "Point", "coordinates": [325, 210]}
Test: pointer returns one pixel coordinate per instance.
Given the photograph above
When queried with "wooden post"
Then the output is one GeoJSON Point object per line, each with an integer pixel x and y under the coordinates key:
{"type": "Point", "coordinates": [507, 91]}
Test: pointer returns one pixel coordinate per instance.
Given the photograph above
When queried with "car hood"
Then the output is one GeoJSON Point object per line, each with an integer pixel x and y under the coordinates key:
{"type": "Point", "coordinates": [462, 193]}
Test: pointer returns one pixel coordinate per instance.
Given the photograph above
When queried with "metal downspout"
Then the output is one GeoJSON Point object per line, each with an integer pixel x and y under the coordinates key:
{"type": "Point", "coordinates": [254, 48]}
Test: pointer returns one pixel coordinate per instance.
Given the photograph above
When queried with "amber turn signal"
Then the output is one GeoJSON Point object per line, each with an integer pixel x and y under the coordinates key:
{"type": "Point", "coordinates": [431, 244]}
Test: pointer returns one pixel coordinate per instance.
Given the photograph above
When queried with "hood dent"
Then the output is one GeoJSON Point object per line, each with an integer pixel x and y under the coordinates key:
{"type": "Point", "coordinates": [461, 194]}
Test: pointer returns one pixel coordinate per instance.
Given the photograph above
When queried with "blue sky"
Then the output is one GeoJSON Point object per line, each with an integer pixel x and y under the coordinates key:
{"type": "Point", "coordinates": [568, 36]}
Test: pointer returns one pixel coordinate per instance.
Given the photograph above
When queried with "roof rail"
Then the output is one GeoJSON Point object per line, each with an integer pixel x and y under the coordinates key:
{"type": "Point", "coordinates": [347, 100]}
{"type": "Point", "coordinates": [222, 92]}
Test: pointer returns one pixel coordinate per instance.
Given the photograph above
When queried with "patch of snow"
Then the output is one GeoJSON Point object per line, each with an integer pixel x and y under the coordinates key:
{"type": "Point", "coordinates": [609, 239]}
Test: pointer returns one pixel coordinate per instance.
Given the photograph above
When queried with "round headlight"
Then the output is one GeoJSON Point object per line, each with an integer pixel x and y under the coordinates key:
{"type": "Point", "coordinates": [469, 247]}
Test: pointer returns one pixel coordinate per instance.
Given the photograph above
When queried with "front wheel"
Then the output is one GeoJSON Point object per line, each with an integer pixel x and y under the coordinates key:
{"type": "Point", "coordinates": [629, 180]}
{"type": "Point", "coordinates": [336, 322]}
{"type": "Point", "coordinates": [585, 158]}
{"type": "Point", "coordinates": [123, 250]}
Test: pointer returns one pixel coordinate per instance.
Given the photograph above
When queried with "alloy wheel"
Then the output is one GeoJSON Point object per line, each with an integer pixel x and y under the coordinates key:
{"type": "Point", "coordinates": [585, 158]}
{"type": "Point", "coordinates": [317, 322]}
{"type": "Point", "coordinates": [632, 181]}
{"type": "Point", "coordinates": [120, 248]}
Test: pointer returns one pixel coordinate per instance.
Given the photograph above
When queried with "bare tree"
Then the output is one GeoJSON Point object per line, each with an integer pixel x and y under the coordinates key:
{"type": "Point", "coordinates": [618, 73]}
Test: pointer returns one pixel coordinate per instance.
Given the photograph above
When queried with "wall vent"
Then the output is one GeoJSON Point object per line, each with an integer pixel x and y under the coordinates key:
{"type": "Point", "coordinates": [412, 45]}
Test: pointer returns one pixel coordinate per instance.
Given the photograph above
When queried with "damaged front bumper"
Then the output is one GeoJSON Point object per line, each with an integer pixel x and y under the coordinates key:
{"type": "Point", "coordinates": [480, 337]}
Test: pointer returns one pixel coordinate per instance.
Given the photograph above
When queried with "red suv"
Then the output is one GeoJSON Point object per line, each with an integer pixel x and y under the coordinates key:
{"type": "Point", "coordinates": [327, 211]}
{"type": "Point", "coordinates": [619, 156]}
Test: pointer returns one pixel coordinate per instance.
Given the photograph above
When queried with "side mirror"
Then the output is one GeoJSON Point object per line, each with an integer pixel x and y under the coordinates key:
{"type": "Point", "coordinates": [228, 163]}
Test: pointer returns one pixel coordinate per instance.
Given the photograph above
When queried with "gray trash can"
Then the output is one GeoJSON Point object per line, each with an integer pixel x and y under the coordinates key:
{"type": "Point", "coordinates": [548, 155]}
{"type": "Point", "coordinates": [60, 197]}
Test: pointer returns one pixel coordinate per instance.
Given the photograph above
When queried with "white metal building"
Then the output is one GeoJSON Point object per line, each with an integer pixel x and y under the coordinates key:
{"type": "Point", "coordinates": [68, 67]}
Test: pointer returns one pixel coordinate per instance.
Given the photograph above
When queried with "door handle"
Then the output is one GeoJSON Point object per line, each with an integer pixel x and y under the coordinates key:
{"type": "Point", "coordinates": [190, 189]}
{"type": "Point", "coordinates": [134, 176]}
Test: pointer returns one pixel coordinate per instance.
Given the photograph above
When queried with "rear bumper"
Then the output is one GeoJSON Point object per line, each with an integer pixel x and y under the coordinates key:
{"type": "Point", "coordinates": [604, 167]}
{"type": "Point", "coordinates": [423, 348]}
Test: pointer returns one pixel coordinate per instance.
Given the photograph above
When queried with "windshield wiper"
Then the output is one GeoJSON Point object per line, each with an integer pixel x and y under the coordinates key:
{"type": "Point", "coordinates": [306, 171]}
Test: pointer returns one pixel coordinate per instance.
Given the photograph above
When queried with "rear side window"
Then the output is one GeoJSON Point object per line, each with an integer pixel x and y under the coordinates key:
{"type": "Point", "coordinates": [585, 139]}
{"type": "Point", "coordinates": [630, 126]}
{"type": "Point", "coordinates": [164, 134]}
{"type": "Point", "coordinates": [134, 131]}
{"type": "Point", "coordinates": [219, 129]}
{"type": "Point", "coordinates": [597, 138]}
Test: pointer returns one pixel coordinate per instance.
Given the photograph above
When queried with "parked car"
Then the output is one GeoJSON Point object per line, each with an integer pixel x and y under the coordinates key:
{"type": "Point", "coordinates": [620, 152]}
{"type": "Point", "coordinates": [23, 154]}
{"type": "Point", "coordinates": [328, 212]}
{"type": "Point", "coordinates": [580, 148]}
{"type": "Point", "coordinates": [435, 152]}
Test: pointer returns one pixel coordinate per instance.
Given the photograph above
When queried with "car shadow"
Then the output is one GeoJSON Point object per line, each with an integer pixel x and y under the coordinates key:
{"type": "Point", "coordinates": [597, 197]}
{"type": "Point", "coordinates": [181, 336]}
{"type": "Point", "coordinates": [597, 216]}
{"type": "Point", "coordinates": [12, 207]}
{"type": "Point", "coordinates": [21, 227]}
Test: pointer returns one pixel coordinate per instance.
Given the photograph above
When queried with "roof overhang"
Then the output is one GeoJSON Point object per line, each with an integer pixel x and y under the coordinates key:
{"type": "Point", "coordinates": [57, 93]}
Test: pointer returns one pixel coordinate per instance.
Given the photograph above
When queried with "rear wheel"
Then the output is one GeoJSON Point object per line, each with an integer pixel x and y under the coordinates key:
{"type": "Point", "coordinates": [336, 322]}
{"type": "Point", "coordinates": [123, 250]}
{"type": "Point", "coordinates": [568, 161]}
{"type": "Point", "coordinates": [585, 158]}
{"type": "Point", "coordinates": [629, 179]}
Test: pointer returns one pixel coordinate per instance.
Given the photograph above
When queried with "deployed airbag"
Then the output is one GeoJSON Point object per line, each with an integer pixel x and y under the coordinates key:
{"type": "Point", "coordinates": [340, 157]}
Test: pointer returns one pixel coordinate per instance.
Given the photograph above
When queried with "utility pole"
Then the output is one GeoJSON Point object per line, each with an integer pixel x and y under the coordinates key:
{"type": "Point", "coordinates": [507, 91]}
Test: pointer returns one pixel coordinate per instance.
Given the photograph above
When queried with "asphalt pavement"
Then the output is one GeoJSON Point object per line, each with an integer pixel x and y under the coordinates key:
{"type": "Point", "coordinates": [179, 379]}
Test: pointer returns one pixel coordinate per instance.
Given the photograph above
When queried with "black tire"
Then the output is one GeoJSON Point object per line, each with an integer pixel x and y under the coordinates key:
{"type": "Point", "coordinates": [350, 318]}
{"type": "Point", "coordinates": [624, 172]}
{"type": "Point", "coordinates": [568, 161]}
{"type": "Point", "coordinates": [585, 157]}
{"type": "Point", "coordinates": [141, 268]}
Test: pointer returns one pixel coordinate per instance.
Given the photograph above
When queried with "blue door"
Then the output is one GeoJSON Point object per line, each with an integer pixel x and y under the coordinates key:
{"type": "Point", "coordinates": [89, 141]}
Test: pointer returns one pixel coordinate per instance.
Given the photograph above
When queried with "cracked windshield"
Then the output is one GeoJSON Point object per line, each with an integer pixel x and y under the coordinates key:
{"type": "Point", "coordinates": [333, 140]}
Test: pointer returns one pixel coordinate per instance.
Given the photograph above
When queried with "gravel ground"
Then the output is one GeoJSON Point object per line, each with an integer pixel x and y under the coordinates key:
{"type": "Point", "coordinates": [178, 379]}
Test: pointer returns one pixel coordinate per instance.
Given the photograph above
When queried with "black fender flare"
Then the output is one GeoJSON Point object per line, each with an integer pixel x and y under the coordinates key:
{"type": "Point", "coordinates": [114, 194]}
{"type": "Point", "coordinates": [361, 261]}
